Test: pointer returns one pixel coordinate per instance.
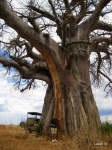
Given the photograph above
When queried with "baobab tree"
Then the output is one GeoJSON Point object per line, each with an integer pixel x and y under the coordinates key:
{"type": "Point", "coordinates": [53, 41]}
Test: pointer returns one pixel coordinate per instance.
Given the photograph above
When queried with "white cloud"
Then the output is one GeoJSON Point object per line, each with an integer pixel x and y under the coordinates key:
{"type": "Point", "coordinates": [102, 101]}
{"type": "Point", "coordinates": [14, 105]}
{"type": "Point", "coordinates": [106, 118]}
{"type": "Point", "coordinates": [11, 118]}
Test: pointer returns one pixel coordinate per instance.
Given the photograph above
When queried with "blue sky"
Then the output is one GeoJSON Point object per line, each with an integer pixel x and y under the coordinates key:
{"type": "Point", "coordinates": [105, 111]}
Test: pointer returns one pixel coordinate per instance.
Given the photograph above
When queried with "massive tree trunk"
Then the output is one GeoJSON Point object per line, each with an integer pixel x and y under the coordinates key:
{"type": "Point", "coordinates": [75, 103]}
{"type": "Point", "coordinates": [78, 107]}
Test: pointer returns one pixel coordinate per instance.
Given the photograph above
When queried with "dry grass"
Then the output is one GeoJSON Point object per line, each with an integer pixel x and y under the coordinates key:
{"type": "Point", "coordinates": [16, 138]}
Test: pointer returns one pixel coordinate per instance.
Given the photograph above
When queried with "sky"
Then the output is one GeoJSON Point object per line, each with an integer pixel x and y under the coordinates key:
{"type": "Point", "coordinates": [14, 105]}
{"type": "Point", "coordinates": [103, 103]}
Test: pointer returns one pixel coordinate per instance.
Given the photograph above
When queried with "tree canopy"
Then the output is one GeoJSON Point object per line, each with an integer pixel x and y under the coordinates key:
{"type": "Point", "coordinates": [23, 23]}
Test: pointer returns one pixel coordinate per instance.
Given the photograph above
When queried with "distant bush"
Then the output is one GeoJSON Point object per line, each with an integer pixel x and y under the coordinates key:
{"type": "Point", "coordinates": [22, 124]}
{"type": "Point", "coordinates": [38, 128]}
{"type": "Point", "coordinates": [105, 128]}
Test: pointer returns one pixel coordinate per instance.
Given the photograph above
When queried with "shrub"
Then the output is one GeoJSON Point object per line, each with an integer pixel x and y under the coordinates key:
{"type": "Point", "coordinates": [38, 128]}
{"type": "Point", "coordinates": [105, 128]}
{"type": "Point", "coordinates": [22, 124]}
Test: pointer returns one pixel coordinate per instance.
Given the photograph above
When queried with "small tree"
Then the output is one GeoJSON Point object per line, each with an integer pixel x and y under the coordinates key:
{"type": "Point", "coordinates": [64, 65]}
{"type": "Point", "coordinates": [106, 130]}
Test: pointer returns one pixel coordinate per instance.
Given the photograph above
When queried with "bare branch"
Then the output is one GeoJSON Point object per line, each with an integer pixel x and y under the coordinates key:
{"type": "Point", "coordinates": [28, 86]}
{"type": "Point", "coordinates": [44, 44]}
{"type": "Point", "coordinates": [82, 12]}
{"type": "Point", "coordinates": [43, 13]}
{"type": "Point", "coordinates": [25, 71]}
{"type": "Point", "coordinates": [105, 76]}
{"type": "Point", "coordinates": [67, 6]}
{"type": "Point", "coordinates": [103, 26]}
{"type": "Point", "coordinates": [93, 19]}
{"type": "Point", "coordinates": [73, 3]}
{"type": "Point", "coordinates": [98, 39]}
{"type": "Point", "coordinates": [34, 24]}
{"type": "Point", "coordinates": [31, 54]}
{"type": "Point", "coordinates": [53, 8]}
{"type": "Point", "coordinates": [9, 63]}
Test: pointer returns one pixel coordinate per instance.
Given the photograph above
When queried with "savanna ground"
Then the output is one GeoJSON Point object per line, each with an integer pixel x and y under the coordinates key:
{"type": "Point", "coordinates": [16, 138]}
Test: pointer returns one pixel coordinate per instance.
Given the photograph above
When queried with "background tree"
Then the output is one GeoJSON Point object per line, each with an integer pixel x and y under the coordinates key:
{"type": "Point", "coordinates": [52, 41]}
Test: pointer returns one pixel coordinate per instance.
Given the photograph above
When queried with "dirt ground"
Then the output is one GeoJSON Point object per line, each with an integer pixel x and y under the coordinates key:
{"type": "Point", "coordinates": [16, 138]}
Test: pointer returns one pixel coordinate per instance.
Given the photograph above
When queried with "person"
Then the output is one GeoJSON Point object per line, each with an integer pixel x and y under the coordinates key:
{"type": "Point", "coordinates": [54, 128]}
